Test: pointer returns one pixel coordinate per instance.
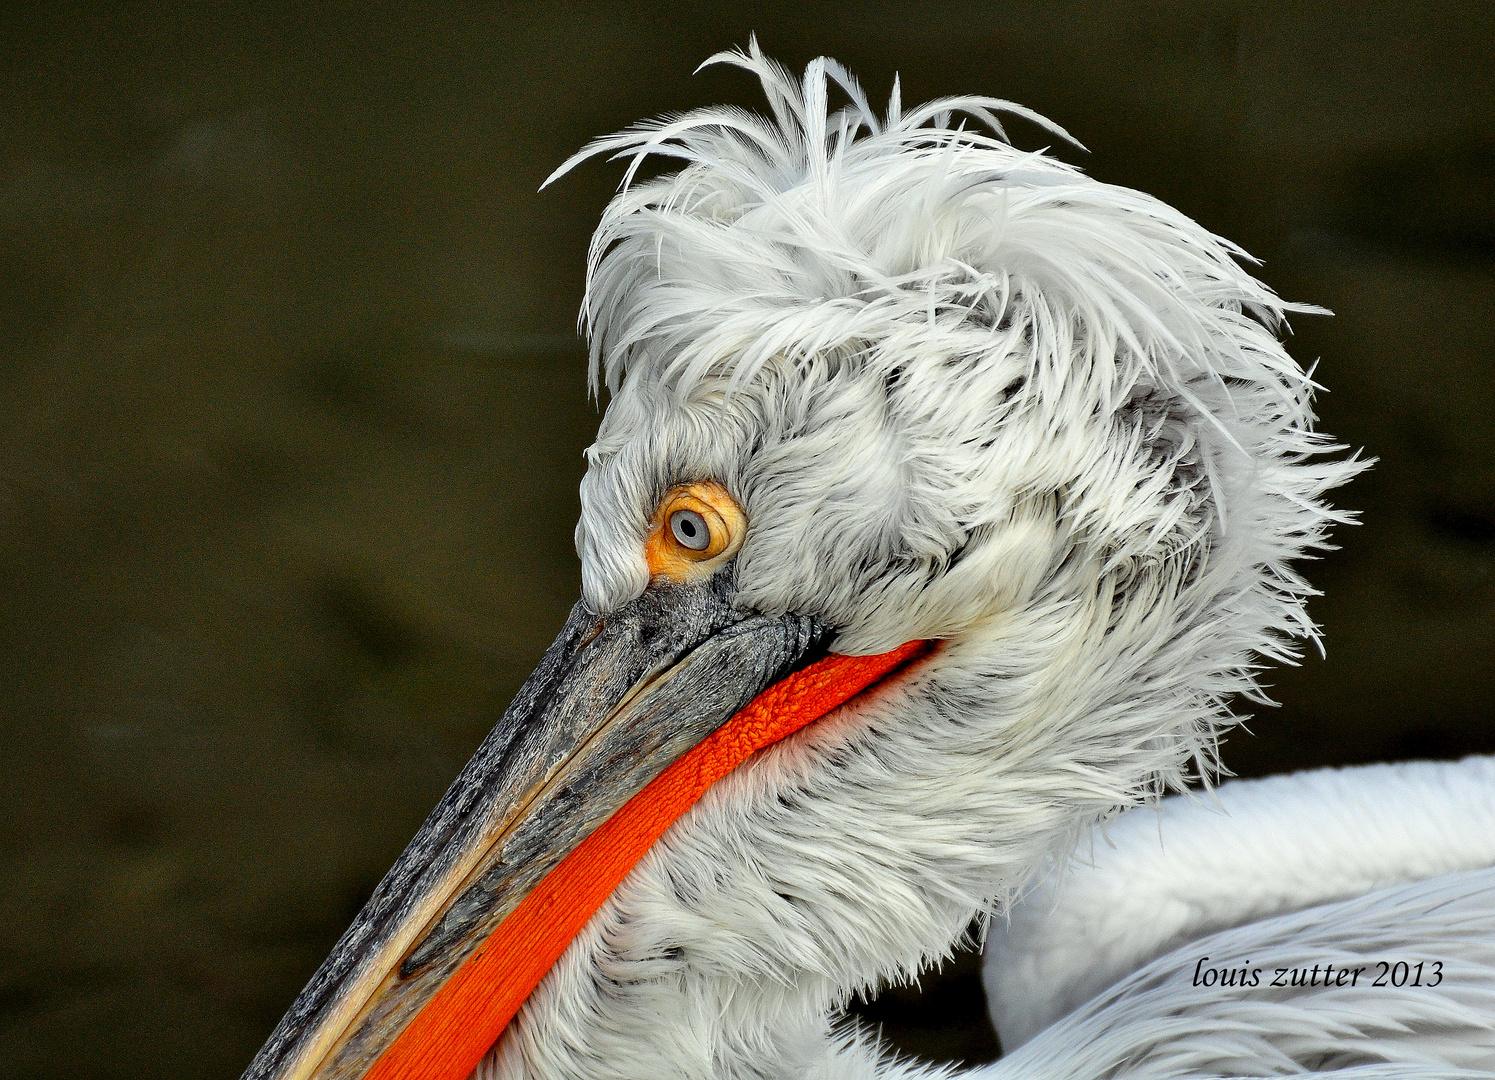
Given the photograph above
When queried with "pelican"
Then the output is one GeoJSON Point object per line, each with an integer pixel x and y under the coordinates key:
{"type": "Point", "coordinates": [945, 500]}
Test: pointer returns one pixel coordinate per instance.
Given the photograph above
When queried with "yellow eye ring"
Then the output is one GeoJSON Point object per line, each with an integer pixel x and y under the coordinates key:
{"type": "Point", "coordinates": [696, 528]}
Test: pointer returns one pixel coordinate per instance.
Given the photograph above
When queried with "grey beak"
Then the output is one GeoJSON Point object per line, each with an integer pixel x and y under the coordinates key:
{"type": "Point", "coordinates": [613, 702]}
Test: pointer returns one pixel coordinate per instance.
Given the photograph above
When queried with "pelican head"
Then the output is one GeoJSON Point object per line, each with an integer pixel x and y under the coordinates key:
{"type": "Point", "coordinates": [881, 387]}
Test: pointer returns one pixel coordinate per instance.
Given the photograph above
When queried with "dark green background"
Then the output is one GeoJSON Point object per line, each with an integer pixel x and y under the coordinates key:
{"type": "Point", "coordinates": [291, 414]}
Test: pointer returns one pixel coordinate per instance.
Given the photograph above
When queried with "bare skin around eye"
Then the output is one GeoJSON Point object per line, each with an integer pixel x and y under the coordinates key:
{"type": "Point", "coordinates": [669, 559]}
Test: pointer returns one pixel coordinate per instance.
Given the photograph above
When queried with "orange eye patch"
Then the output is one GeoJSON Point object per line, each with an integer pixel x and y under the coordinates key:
{"type": "Point", "coordinates": [696, 528]}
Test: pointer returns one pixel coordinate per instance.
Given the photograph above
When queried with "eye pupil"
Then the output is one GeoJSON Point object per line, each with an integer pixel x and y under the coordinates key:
{"type": "Point", "coordinates": [690, 529]}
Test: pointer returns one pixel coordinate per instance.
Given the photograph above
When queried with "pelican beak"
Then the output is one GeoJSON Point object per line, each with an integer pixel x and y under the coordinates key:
{"type": "Point", "coordinates": [613, 703]}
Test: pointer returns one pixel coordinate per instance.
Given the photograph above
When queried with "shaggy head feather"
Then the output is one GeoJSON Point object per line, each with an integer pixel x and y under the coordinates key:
{"type": "Point", "coordinates": [962, 392]}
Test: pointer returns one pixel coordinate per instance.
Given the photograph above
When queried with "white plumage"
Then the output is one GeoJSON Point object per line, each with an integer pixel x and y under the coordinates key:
{"type": "Point", "coordinates": [1157, 1023]}
{"type": "Point", "coordinates": [1156, 880]}
{"type": "Point", "coordinates": [968, 393]}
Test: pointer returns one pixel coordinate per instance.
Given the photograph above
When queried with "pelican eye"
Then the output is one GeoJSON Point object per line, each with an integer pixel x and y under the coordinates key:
{"type": "Point", "coordinates": [696, 528]}
{"type": "Point", "coordinates": [690, 529]}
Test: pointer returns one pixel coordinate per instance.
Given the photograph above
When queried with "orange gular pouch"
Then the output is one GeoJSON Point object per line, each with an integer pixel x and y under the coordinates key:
{"type": "Point", "coordinates": [622, 727]}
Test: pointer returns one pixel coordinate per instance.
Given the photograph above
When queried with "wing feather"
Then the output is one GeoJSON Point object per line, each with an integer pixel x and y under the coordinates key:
{"type": "Point", "coordinates": [1161, 1023]}
{"type": "Point", "coordinates": [1156, 879]}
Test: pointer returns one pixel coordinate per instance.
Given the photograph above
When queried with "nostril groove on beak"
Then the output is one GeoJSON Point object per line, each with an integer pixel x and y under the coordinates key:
{"type": "Point", "coordinates": [591, 635]}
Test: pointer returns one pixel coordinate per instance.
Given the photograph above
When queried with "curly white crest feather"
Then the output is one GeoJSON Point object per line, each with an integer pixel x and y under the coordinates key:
{"type": "Point", "coordinates": [896, 335]}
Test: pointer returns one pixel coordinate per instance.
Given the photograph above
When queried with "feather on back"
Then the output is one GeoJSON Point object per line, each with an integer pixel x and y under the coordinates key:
{"type": "Point", "coordinates": [1157, 878]}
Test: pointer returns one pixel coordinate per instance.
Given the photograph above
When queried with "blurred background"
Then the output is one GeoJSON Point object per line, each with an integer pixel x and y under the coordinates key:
{"type": "Point", "coordinates": [291, 409]}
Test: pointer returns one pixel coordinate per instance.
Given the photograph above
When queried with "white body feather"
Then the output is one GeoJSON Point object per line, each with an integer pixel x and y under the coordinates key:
{"type": "Point", "coordinates": [1156, 1023]}
{"type": "Point", "coordinates": [961, 392]}
{"type": "Point", "coordinates": [1156, 879]}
